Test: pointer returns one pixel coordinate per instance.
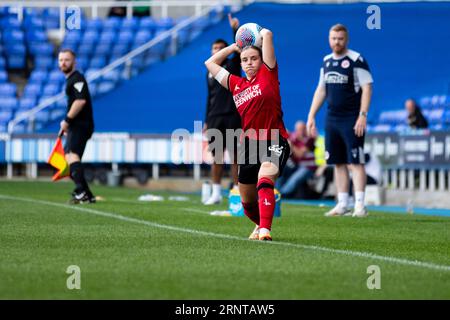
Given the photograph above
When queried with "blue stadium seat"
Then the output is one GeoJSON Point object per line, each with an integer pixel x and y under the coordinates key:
{"type": "Point", "coordinates": [82, 63]}
{"type": "Point", "coordinates": [51, 89]}
{"type": "Point", "coordinates": [94, 24]}
{"type": "Point", "coordinates": [164, 23]}
{"type": "Point", "coordinates": [38, 76]}
{"type": "Point", "coordinates": [57, 113]}
{"type": "Point", "coordinates": [42, 49]}
{"type": "Point", "coordinates": [32, 89]}
{"type": "Point", "coordinates": [62, 104]}
{"type": "Point", "coordinates": [90, 37]}
{"type": "Point", "coordinates": [138, 62]}
{"type": "Point", "coordinates": [2, 63]}
{"type": "Point", "coordinates": [5, 116]}
{"type": "Point", "coordinates": [120, 49]}
{"type": "Point", "coordinates": [86, 49]}
{"type": "Point", "coordinates": [125, 37]}
{"type": "Point", "coordinates": [97, 63]}
{"type": "Point", "coordinates": [42, 116]}
{"type": "Point", "coordinates": [51, 13]}
{"type": "Point", "coordinates": [103, 50]}
{"type": "Point", "coordinates": [3, 76]}
{"type": "Point", "coordinates": [130, 24]}
{"type": "Point", "coordinates": [147, 24]}
{"type": "Point", "coordinates": [56, 77]}
{"type": "Point", "coordinates": [8, 104]}
{"type": "Point", "coordinates": [20, 128]}
{"type": "Point", "coordinates": [8, 90]}
{"type": "Point", "coordinates": [36, 36]}
{"type": "Point", "coordinates": [44, 62]}
{"type": "Point", "coordinates": [27, 103]}
{"type": "Point", "coordinates": [184, 36]}
{"type": "Point", "coordinates": [16, 61]}
{"type": "Point", "coordinates": [16, 50]}
{"type": "Point", "coordinates": [107, 37]}
{"type": "Point", "coordinates": [33, 22]}
{"type": "Point", "coordinates": [72, 37]}
{"type": "Point", "coordinates": [20, 112]}
{"type": "Point", "coordinates": [141, 38]}
{"type": "Point", "coordinates": [10, 22]}
{"type": "Point", "coordinates": [13, 36]}
{"type": "Point", "coordinates": [112, 23]}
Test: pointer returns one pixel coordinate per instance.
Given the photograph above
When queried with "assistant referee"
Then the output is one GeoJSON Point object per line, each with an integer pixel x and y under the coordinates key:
{"type": "Point", "coordinates": [78, 125]}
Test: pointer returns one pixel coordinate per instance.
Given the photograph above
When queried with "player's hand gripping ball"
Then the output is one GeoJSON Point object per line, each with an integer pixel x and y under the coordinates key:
{"type": "Point", "coordinates": [249, 35]}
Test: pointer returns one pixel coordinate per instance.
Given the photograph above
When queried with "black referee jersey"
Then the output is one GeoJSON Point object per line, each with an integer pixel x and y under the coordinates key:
{"type": "Point", "coordinates": [77, 88]}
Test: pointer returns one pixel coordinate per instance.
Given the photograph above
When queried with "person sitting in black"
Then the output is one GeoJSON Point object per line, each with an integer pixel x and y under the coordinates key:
{"type": "Point", "coordinates": [416, 120]}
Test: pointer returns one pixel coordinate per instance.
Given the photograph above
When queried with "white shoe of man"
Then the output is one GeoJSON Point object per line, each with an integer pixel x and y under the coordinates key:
{"type": "Point", "coordinates": [338, 211]}
{"type": "Point", "coordinates": [360, 212]}
{"type": "Point", "coordinates": [214, 199]}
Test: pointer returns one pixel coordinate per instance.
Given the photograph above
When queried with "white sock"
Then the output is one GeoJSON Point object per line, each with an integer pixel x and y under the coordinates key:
{"type": "Point", "coordinates": [216, 191]}
{"type": "Point", "coordinates": [359, 199]}
{"type": "Point", "coordinates": [264, 230]}
{"type": "Point", "coordinates": [343, 199]}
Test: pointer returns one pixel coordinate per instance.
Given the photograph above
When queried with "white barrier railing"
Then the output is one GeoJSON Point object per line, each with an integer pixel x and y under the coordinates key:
{"type": "Point", "coordinates": [422, 179]}
{"type": "Point", "coordinates": [126, 59]}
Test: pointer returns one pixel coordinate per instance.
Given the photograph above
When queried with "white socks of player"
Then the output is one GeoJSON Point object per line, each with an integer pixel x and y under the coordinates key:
{"type": "Point", "coordinates": [342, 200]}
{"type": "Point", "coordinates": [359, 199]}
{"type": "Point", "coordinates": [216, 195]}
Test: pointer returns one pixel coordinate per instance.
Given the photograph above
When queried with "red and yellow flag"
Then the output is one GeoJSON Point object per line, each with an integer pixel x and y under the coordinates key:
{"type": "Point", "coordinates": [57, 160]}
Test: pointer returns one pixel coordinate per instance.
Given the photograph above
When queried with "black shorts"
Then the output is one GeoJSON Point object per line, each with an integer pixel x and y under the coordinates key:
{"type": "Point", "coordinates": [221, 124]}
{"type": "Point", "coordinates": [76, 139]}
{"type": "Point", "coordinates": [341, 143]}
{"type": "Point", "coordinates": [253, 153]}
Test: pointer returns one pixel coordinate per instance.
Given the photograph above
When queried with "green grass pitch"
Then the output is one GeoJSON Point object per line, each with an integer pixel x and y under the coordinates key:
{"type": "Point", "coordinates": [127, 249]}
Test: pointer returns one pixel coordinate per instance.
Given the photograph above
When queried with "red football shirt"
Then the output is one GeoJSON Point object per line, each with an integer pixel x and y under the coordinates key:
{"type": "Point", "coordinates": [258, 101]}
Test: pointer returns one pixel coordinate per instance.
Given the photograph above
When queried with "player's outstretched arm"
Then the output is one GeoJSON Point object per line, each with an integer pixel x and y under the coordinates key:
{"type": "Point", "coordinates": [214, 67]}
{"type": "Point", "coordinates": [318, 99]}
{"type": "Point", "coordinates": [267, 48]}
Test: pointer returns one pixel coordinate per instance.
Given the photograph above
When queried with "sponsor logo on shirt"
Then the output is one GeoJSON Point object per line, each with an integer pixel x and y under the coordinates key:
{"type": "Point", "coordinates": [335, 77]}
{"type": "Point", "coordinates": [79, 86]}
{"type": "Point", "coordinates": [247, 95]}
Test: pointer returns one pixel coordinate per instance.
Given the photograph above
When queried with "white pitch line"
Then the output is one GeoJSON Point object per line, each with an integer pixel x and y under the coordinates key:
{"type": "Point", "coordinates": [414, 263]}
{"type": "Point", "coordinates": [194, 210]}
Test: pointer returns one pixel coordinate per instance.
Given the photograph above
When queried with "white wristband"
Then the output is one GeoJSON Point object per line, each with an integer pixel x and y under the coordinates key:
{"type": "Point", "coordinates": [221, 74]}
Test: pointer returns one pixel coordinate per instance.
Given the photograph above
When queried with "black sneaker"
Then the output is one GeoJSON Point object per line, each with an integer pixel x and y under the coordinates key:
{"type": "Point", "coordinates": [82, 197]}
